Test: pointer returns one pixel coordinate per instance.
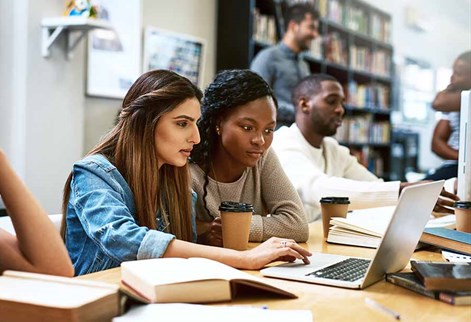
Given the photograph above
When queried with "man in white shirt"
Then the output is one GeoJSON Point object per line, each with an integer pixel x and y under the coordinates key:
{"type": "Point", "coordinates": [315, 162]}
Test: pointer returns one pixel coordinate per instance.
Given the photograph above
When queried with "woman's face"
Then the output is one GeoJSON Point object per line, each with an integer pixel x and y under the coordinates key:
{"type": "Point", "coordinates": [247, 132]}
{"type": "Point", "coordinates": [176, 133]}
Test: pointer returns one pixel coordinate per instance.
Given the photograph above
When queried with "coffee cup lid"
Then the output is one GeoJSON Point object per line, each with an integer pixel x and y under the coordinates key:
{"type": "Point", "coordinates": [335, 200]}
{"type": "Point", "coordinates": [234, 206]}
{"type": "Point", "coordinates": [463, 204]}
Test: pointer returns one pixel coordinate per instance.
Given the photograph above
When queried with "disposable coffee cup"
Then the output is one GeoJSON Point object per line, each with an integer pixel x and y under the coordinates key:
{"type": "Point", "coordinates": [463, 216]}
{"type": "Point", "coordinates": [235, 219]}
{"type": "Point", "coordinates": [332, 207]}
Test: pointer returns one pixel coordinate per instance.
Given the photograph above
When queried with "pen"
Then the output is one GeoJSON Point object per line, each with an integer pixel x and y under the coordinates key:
{"type": "Point", "coordinates": [372, 303]}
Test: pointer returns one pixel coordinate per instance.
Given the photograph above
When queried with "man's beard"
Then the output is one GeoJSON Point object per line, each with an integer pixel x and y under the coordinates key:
{"type": "Point", "coordinates": [302, 44]}
{"type": "Point", "coordinates": [325, 130]}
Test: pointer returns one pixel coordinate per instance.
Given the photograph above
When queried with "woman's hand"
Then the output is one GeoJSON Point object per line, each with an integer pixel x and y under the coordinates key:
{"type": "Point", "coordinates": [274, 249]}
{"type": "Point", "coordinates": [212, 235]}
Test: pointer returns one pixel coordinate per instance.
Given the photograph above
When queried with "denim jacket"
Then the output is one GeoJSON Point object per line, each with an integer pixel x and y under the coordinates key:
{"type": "Point", "coordinates": [102, 230]}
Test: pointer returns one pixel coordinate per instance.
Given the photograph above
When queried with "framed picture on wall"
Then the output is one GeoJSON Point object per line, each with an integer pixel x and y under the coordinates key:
{"type": "Point", "coordinates": [180, 53]}
{"type": "Point", "coordinates": [114, 56]}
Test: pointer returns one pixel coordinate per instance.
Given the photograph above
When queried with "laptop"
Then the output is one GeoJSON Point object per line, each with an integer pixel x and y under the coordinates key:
{"type": "Point", "coordinates": [397, 245]}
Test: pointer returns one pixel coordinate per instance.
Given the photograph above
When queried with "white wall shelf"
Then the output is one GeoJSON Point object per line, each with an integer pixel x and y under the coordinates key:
{"type": "Point", "coordinates": [52, 28]}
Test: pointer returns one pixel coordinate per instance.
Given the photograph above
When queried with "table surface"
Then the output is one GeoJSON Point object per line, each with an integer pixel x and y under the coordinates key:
{"type": "Point", "coordinates": [329, 303]}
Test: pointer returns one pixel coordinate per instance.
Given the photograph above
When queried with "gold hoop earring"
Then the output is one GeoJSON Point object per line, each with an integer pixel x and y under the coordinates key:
{"type": "Point", "coordinates": [218, 131]}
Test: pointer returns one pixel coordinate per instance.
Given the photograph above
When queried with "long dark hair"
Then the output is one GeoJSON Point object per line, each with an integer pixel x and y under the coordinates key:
{"type": "Point", "coordinates": [130, 146]}
{"type": "Point", "coordinates": [229, 89]}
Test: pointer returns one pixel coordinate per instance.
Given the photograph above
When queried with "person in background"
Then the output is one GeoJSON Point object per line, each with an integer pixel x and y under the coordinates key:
{"type": "Point", "coordinates": [281, 65]}
{"type": "Point", "coordinates": [130, 197]}
{"type": "Point", "coordinates": [315, 162]}
{"type": "Point", "coordinates": [234, 161]}
{"type": "Point", "coordinates": [37, 246]}
{"type": "Point", "coordinates": [445, 140]}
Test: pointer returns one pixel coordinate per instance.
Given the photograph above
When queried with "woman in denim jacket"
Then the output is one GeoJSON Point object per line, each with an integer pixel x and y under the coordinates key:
{"type": "Point", "coordinates": [130, 197]}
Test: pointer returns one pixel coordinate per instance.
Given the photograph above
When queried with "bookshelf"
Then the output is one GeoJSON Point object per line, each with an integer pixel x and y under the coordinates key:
{"type": "Point", "coordinates": [353, 46]}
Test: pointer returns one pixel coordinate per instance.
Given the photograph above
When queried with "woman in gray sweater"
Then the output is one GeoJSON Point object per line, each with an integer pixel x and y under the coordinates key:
{"type": "Point", "coordinates": [234, 161]}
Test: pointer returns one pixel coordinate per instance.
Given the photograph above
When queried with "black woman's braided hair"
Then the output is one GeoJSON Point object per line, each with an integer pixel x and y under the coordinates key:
{"type": "Point", "coordinates": [229, 89]}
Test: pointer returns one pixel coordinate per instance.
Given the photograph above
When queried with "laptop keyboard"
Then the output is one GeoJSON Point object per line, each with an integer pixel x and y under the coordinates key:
{"type": "Point", "coordinates": [350, 269]}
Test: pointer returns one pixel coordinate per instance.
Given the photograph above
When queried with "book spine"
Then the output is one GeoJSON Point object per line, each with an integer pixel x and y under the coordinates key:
{"type": "Point", "coordinates": [447, 298]}
{"type": "Point", "coordinates": [411, 286]}
{"type": "Point", "coordinates": [455, 299]}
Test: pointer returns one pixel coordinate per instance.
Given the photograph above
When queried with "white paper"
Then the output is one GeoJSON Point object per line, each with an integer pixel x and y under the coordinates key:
{"type": "Point", "coordinates": [201, 313]}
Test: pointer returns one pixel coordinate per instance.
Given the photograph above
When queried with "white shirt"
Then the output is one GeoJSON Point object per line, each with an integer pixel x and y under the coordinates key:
{"type": "Point", "coordinates": [329, 171]}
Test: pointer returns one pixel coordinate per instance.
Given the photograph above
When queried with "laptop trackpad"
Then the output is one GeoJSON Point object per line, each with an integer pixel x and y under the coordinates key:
{"type": "Point", "coordinates": [318, 261]}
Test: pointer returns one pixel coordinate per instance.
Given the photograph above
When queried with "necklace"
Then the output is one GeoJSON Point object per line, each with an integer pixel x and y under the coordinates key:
{"type": "Point", "coordinates": [217, 182]}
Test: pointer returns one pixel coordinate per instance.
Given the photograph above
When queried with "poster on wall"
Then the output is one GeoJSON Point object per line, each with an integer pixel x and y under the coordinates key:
{"type": "Point", "coordinates": [114, 56]}
{"type": "Point", "coordinates": [180, 53]}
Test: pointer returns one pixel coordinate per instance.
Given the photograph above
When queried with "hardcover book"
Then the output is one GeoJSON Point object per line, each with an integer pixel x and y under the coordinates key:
{"type": "Point", "coordinates": [37, 297]}
{"type": "Point", "coordinates": [192, 280]}
{"type": "Point", "coordinates": [411, 282]}
{"type": "Point", "coordinates": [443, 276]}
{"type": "Point", "coordinates": [448, 239]}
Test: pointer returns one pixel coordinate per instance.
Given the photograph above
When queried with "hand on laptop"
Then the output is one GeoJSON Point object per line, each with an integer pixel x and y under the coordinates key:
{"type": "Point", "coordinates": [276, 249]}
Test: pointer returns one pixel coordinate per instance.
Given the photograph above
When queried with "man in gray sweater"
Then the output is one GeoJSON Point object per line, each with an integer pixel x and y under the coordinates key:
{"type": "Point", "coordinates": [281, 65]}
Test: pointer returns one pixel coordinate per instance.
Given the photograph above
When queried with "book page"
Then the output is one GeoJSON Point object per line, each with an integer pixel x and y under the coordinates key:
{"type": "Point", "coordinates": [202, 313]}
{"type": "Point", "coordinates": [374, 221]}
{"type": "Point", "coordinates": [178, 270]}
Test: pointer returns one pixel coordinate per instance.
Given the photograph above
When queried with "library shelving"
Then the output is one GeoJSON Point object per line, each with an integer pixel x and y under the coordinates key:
{"type": "Point", "coordinates": [354, 45]}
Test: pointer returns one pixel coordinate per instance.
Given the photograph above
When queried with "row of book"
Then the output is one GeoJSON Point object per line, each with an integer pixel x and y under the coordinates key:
{"type": "Point", "coordinates": [372, 96]}
{"type": "Point", "coordinates": [380, 28]}
{"type": "Point", "coordinates": [264, 28]}
{"type": "Point", "coordinates": [333, 47]}
{"type": "Point", "coordinates": [370, 158]}
{"type": "Point", "coordinates": [374, 61]}
{"type": "Point", "coordinates": [362, 129]}
{"type": "Point", "coordinates": [357, 19]}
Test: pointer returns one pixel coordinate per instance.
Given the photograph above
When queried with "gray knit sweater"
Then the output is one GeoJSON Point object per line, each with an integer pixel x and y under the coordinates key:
{"type": "Point", "coordinates": [278, 208]}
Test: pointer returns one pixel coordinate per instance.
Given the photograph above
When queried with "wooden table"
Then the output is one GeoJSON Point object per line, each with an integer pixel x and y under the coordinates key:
{"type": "Point", "coordinates": [336, 304]}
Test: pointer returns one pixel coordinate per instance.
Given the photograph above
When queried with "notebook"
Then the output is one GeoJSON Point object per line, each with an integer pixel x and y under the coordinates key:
{"type": "Point", "coordinates": [397, 245]}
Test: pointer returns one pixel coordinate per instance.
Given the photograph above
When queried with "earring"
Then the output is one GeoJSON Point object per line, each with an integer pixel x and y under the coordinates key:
{"type": "Point", "coordinates": [218, 131]}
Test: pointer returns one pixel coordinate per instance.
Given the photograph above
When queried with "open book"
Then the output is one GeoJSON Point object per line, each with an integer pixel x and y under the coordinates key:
{"type": "Point", "coordinates": [366, 227]}
{"type": "Point", "coordinates": [38, 297]}
{"type": "Point", "coordinates": [193, 280]}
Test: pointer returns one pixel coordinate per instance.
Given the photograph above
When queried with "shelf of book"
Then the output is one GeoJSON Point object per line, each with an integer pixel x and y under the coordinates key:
{"type": "Point", "coordinates": [354, 45]}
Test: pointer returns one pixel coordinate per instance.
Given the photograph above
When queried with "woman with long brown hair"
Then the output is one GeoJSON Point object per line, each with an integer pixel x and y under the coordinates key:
{"type": "Point", "coordinates": [130, 197]}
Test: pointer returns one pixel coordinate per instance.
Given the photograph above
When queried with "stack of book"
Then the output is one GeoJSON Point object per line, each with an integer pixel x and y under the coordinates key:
{"type": "Point", "coordinates": [444, 281]}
